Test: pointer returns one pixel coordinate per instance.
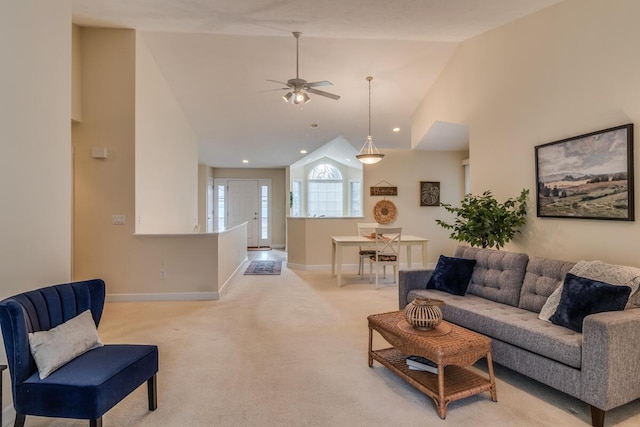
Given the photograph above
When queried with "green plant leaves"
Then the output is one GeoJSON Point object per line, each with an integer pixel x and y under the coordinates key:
{"type": "Point", "coordinates": [483, 221]}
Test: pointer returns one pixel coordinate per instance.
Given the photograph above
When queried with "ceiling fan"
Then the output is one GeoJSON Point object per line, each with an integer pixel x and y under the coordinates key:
{"type": "Point", "coordinates": [298, 88]}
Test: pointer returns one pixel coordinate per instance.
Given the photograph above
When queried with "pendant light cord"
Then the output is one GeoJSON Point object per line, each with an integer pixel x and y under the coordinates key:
{"type": "Point", "coordinates": [369, 78]}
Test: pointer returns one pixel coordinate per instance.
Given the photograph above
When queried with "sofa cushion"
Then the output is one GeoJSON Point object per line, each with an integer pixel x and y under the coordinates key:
{"type": "Point", "coordinates": [498, 275]}
{"type": "Point", "coordinates": [452, 275]}
{"type": "Point", "coordinates": [518, 327]}
{"type": "Point", "coordinates": [582, 297]}
{"type": "Point", "coordinates": [543, 276]}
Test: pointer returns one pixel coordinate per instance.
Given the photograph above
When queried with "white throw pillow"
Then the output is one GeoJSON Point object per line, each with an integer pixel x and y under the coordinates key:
{"type": "Point", "coordinates": [54, 348]}
{"type": "Point", "coordinates": [551, 305]}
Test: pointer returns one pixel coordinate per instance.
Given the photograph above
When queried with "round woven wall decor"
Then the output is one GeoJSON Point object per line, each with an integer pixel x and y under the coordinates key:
{"type": "Point", "coordinates": [384, 211]}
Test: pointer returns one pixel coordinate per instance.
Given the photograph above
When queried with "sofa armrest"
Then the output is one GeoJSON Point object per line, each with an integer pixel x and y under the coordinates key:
{"type": "Point", "coordinates": [610, 357]}
{"type": "Point", "coordinates": [409, 280]}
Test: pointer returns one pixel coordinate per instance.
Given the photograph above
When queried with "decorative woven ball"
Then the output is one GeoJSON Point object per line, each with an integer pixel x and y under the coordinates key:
{"type": "Point", "coordinates": [424, 313]}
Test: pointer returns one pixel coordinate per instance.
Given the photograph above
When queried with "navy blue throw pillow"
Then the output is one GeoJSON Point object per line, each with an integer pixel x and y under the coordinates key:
{"type": "Point", "coordinates": [452, 275]}
{"type": "Point", "coordinates": [581, 297]}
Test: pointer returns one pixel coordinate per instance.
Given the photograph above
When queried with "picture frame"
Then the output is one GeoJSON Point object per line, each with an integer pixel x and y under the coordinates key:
{"type": "Point", "coordinates": [429, 193]}
{"type": "Point", "coordinates": [588, 176]}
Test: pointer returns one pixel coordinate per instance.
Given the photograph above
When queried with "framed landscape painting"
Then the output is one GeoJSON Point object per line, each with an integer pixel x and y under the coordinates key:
{"type": "Point", "coordinates": [588, 176]}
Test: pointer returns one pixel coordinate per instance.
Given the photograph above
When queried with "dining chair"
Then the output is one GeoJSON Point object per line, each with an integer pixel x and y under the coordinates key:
{"type": "Point", "coordinates": [387, 252]}
{"type": "Point", "coordinates": [366, 229]}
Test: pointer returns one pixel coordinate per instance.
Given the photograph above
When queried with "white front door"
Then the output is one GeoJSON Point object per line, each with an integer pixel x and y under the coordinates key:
{"type": "Point", "coordinates": [242, 196]}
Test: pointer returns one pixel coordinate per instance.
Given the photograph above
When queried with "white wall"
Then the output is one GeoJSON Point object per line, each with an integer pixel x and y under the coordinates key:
{"type": "Point", "coordinates": [166, 153]}
{"type": "Point", "coordinates": [35, 137]}
{"type": "Point", "coordinates": [35, 133]}
{"type": "Point", "coordinates": [565, 71]}
{"type": "Point", "coordinates": [406, 169]}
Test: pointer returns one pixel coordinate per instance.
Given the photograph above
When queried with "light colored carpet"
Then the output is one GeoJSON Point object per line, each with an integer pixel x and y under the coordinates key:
{"type": "Point", "coordinates": [291, 350]}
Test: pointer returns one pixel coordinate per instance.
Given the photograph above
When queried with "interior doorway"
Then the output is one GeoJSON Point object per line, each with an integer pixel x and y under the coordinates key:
{"type": "Point", "coordinates": [244, 200]}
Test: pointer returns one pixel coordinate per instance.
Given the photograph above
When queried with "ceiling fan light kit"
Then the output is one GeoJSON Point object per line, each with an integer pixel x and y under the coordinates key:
{"type": "Point", "coordinates": [299, 88]}
{"type": "Point", "coordinates": [296, 98]}
{"type": "Point", "coordinates": [369, 154]}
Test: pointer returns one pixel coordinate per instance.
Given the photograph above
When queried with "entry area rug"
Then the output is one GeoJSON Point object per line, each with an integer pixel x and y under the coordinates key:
{"type": "Point", "coordinates": [263, 268]}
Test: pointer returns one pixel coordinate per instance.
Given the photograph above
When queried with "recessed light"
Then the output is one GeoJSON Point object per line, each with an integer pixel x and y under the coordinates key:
{"type": "Point", "coordinates": [303, 151]}
{"type": "Point", "coordinates": [245, 161]}
{"type": "Point", "coordinates": [396, 129]}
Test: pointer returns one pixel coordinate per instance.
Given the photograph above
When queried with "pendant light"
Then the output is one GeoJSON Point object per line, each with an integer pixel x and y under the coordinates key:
{"type": "Point", "coordinates": [369, 154]}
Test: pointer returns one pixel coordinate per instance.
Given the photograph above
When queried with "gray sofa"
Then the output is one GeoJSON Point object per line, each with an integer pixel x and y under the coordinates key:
{"type": "Point", "coordinates": [503, 300]}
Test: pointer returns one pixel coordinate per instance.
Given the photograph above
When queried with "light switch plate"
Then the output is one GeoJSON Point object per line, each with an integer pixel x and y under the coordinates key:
{"type": "Point", "coordinates": [118, 219]}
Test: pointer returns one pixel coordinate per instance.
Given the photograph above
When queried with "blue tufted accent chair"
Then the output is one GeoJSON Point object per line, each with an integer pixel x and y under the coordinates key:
{"type": "Point", "coordinates": [89, 385]}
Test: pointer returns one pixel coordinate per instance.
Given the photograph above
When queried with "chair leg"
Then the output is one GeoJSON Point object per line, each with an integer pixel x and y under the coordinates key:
{"type": "Point", "coordinates": [152, 391]}
{"type": "Point", "coordinates": [19, 422]}
{"type": "Point", "coordinates": [95, 423]}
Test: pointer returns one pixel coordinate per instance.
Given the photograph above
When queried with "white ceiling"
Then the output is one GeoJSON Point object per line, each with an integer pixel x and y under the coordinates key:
{"type": "Point", "coordinates": [217, 55]}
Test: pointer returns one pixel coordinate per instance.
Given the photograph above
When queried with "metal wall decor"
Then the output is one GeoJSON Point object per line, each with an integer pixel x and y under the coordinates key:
{"type": "Point", "coordinates": [429, 193]}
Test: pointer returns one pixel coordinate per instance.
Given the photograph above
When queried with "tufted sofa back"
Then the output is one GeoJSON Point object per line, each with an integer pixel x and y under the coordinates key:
{"type": "Point", "coordinates": [497, 275]}
{"type": "Point", "coordinates": [41, 310]}
{"type": "Point", "coordinates": [543, 276]}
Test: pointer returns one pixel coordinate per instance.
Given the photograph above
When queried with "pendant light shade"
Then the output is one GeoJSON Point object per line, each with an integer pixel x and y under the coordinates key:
{"type": "Point", "coordinates": [369, 154]}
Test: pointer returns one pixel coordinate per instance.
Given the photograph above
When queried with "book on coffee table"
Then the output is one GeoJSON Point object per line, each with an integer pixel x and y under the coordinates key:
{"type": "Point", "coordinates": [418, 363]}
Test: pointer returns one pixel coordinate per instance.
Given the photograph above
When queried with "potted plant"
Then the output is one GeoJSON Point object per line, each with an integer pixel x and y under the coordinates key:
{"type": "Point", "coordinates": [483, 221]}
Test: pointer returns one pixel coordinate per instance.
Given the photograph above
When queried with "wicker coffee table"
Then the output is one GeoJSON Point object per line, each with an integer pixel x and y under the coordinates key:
{"type": "Point", "coordinates": [448, 345]}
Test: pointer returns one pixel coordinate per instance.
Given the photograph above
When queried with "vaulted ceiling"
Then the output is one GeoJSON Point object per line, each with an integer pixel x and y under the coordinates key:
{"type": "Point", "coordinates": [218, 55]}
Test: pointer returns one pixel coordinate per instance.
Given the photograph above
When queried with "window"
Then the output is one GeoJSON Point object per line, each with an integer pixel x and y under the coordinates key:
{"type": "Point", "coordinates": [296, 195]}
{"type": "Point", "coordinates": [355, 207]}
{"type": "Point", "coordinates": [324, 191]}
{"type": "Point", "coordinates": [264, 210]}
{"type": "Point", "coordinates": [467, 176]}
{"type": "Point", "coordinates": [221, 208]}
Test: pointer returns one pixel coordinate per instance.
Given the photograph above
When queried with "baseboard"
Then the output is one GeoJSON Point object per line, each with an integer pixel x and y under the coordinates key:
{"type": "Point", "coordinates": [353, 268]}
{"type": "Point", "coordinates": [278, 246]}
{"type": "Point", "coordinates": [179, 296]}
{"type": "Point", "coordinates": [294, 266]}
{"type": "Point", "coordinates": [169, 296]}
{"type": "Point", "coordinates": [225, 286]}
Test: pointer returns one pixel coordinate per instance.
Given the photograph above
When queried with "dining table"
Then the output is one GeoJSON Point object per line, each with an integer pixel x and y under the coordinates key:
{"type": "Point", "coordinates": [339, 242]}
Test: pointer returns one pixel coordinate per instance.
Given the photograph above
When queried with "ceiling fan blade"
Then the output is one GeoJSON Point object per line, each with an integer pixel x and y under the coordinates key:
{"type": "Point", "coordinates": [323, 93]}
{"type": "Point", "coordinates": [273, 90]}
{"type": "Point", "coordinates": [282, 83]}
{"type": "Point", "coordinates": [320, 83]}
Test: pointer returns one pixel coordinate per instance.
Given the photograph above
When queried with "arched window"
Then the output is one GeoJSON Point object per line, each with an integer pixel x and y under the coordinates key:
{"type": "Point", "coordinates": [325, 191]}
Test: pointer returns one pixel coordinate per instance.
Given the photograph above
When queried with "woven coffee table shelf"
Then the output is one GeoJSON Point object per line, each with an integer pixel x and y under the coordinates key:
{"type": "Point", "coordinates": [454, 351]}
